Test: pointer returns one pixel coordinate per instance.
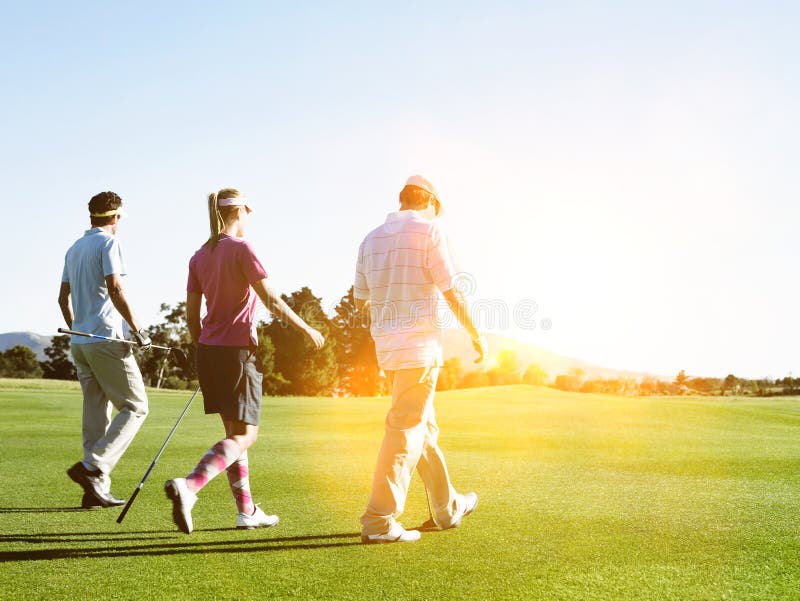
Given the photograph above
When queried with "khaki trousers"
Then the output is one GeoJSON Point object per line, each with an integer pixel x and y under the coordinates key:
{"type": "Point", "coordinates": [409, 442]}
{"type": "Point", "coordinates": [109, 376]}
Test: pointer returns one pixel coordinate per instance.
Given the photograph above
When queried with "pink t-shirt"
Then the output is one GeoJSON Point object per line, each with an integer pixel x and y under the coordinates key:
{"type": "Point", "coordinates": [224, 276]}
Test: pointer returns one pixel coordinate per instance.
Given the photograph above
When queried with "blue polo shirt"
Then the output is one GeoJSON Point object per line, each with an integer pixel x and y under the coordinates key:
{"type": "Point", "coordinates": [86, 265]}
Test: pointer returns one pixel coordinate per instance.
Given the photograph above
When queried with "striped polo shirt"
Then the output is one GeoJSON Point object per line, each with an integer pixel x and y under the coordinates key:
{"type": "Point", "coordinates": [403, 266]}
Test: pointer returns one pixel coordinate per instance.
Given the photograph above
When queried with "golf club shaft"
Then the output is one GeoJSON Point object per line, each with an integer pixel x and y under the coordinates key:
{"type": "Point", "coordinates": [155, 460]}
{"type": "Point", "coordinates": [109, 339]}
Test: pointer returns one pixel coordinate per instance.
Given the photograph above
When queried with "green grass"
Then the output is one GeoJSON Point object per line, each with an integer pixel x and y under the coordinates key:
{"type": "Point", "coordinates": [581, 497]}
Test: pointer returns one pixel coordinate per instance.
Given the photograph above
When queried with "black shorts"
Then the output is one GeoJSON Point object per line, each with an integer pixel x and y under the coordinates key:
{"type": "Point", "coordinates": [230, 381]}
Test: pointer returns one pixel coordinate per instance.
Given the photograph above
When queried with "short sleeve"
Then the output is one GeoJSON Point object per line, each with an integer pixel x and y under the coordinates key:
{"type": "Point", "coordinates": [437, 260]}
{"type": "Point", "coordinates": [360, 285]}
{"type": "Point", "coordinates": [65, 273]}
{"type": "Point", "coordinates": [113, 263]}
{"type": "Point", "coordinates": [251, 267]}
{"type": "Point", "coordinates": [193, 283]}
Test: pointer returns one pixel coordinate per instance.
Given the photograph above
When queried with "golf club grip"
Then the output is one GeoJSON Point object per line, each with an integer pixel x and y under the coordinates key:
{"type": "Point", "coordinates": [129, 503]}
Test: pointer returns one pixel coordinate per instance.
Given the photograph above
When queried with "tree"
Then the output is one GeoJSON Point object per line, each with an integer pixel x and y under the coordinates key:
{"type": "Point", "coordinates": [449, 374]}
{"type": "Point", "coordinates": [606, 386]}
{"type": "Point", "coordinates": [358, 370]}
{"type": "Point", "coordinates": [534, 375]}
{"type": "Point", "coordinates": [568, 382]}
{"type": "Point", "coordinates": [157, 366]}
{"type": "Point", "coordinates": [474, 379]}
{"type": "Point", "coordinates": [308, 372]}
{"type": "Point", "coordinates": [58, 365]}
{"type": "Point", "coordinates": [763, 386]}
{"type": "Point", "coordinates": [648, 386]}
{"type": "Point", "coordinates": [704, 385]}
{"type": "Point", "coordinates": [731, 383]}
{"type": "Point", "coordinates": [20, 362]}
{"type": "Point", "coordinates": [681, 378]}
{"type": "Point", "coordinates": [506, 369]}
{"type": "Point", "coordinates": [273, 381]}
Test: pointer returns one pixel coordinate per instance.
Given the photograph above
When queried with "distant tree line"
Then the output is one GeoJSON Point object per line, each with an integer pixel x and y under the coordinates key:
{"type": "Point", "coordinates": [575, 381]}
{"type": "Point", "coordinates": [504, 369]}
{"type": "Point", "coordinates": [347, 364]}
{"type": "Point", "coordinates": [507, 369]}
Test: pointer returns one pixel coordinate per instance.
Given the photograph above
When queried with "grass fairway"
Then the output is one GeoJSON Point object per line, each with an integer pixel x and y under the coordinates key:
{"type": "Point", "coordinates": [581, 497]}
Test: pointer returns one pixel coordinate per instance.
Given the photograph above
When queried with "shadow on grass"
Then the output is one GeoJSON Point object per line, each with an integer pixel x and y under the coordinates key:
{"type": "Point", "coordinates": [41, 509]}
{"type": "Point", "coordinates": [156, 549]}
{"type": "Point", "coordinates": [428, 526]}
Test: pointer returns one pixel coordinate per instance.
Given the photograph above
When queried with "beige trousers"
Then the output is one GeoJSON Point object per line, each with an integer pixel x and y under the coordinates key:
{"type": "Point", "coordinates": [409, 442]}
{"type": "Point", "coordinates": [109, 377]}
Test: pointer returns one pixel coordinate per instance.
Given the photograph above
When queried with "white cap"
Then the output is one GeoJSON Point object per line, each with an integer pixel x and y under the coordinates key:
{"type": "Point", "coordinates": [420, 182]}
{"type": "Point", "coordinates": [236, 201]}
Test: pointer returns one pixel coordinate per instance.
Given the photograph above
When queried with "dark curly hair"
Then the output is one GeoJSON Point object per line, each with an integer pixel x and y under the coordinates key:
{"type": "Point", "coordinates": [102, 203]}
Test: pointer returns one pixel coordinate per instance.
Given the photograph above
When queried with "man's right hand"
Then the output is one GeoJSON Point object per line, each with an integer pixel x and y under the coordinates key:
{"type": "Point", "coordinates": [142, 338]}
{"type": "Point", "coordinates": [481, 347]}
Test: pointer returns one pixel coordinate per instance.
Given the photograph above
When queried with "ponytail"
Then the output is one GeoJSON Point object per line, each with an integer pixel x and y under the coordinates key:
{"type": "Point", "coordinates": [217, 216]}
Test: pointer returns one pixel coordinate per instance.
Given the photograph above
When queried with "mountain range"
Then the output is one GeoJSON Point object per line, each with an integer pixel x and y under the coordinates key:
{"type": "Point", "coordinates": [36, 342]}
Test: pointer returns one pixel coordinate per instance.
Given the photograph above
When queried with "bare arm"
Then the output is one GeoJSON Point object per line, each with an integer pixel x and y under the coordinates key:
{"type": "Point", "coordinates": [455, 300]}
{"type": "Point", "coordinates": [65, 304]}
{"type": "Point", "coordinates": [276, 305]}
{"type": "Point", "coordinates": [114, 285]}
{"type": "Point", "coordinates": [193, 302]}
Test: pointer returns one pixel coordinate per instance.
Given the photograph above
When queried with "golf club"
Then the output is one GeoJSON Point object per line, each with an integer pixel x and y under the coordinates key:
{"type": "Point", "coordinates": [155, 460]}
{"type": "Point", "coordinates": [430, 523]}
{"type": "Point", "coordinates": [180, 356]}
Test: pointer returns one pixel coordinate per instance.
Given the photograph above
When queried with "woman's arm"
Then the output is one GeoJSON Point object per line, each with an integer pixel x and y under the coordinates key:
{"type": "Point", "coordinates": [276, 305]}
{"type": "Point", "coordinates": [193, 302]}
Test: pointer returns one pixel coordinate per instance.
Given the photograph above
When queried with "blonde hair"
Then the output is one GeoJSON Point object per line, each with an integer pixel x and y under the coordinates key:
{"type": "Point", "coordinates": [217, 215]}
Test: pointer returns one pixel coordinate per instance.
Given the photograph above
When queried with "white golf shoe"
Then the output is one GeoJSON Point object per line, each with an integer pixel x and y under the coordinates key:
{"type": "Point", "coordinates": [470, 502]}
{"type": "Point", "coordinates": [396, 534]}
{"type": "Point", "coordinates": [259, 519]}
{"type": "Point", "coordinates": [183, 500]}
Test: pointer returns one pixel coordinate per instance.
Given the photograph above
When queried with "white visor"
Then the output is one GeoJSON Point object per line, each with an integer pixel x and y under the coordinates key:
{"type": "Point", "coordinates": [238, 201]}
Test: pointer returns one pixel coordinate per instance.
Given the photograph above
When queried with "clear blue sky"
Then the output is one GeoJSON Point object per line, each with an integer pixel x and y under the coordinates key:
{"type": "Point", "coordinates": [632, 169]}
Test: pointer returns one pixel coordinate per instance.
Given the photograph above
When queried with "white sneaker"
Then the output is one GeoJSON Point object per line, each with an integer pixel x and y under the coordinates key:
{"type": "Point", "coordinates": [183, 500]}
{"type": "Point", "coordinates": [259, 519]}
{"type": "Point", "coordinates": [469, 504]}
{"type": "Point", "coordinates": [396, 534]}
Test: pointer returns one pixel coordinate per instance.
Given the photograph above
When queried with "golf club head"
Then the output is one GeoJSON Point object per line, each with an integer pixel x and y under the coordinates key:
{"type": "Point", "coordinates": [181, 360]}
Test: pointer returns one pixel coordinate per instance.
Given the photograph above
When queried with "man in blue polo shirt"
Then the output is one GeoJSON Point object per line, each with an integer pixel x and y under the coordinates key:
{"type": "Point", "coordinates": [92, 300]}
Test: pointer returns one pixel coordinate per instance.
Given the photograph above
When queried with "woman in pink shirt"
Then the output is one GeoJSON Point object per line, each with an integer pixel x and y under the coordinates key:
{"type": "Point", "coordinates": [227, 272]}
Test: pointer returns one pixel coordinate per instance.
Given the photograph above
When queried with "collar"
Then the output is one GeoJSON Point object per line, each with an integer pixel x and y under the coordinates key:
{"type": "Point", "coordinates": [95, 230]}
{"type": "Point", "coordinates": [408, 214]}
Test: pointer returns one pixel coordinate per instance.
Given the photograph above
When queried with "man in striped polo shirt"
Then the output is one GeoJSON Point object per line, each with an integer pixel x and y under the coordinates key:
{"type": "Point", "coordinates": [403, 270]}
